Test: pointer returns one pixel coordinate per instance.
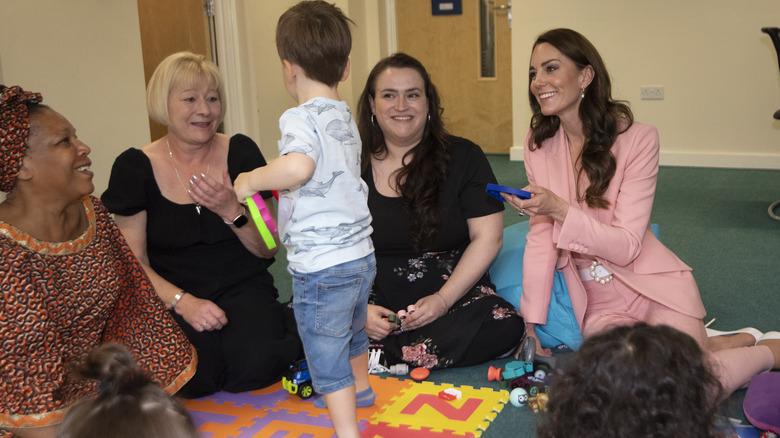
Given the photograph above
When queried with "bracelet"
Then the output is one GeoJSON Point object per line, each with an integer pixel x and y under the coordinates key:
{"type": "Point", "coordinates": [176, 299]}
{"type": "Point", "coordinates": [446, 306]}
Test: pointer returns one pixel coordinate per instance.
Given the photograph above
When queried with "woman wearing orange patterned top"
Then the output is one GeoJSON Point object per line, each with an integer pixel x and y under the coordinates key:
{"type": "Point", "coordinates": [68, 280]}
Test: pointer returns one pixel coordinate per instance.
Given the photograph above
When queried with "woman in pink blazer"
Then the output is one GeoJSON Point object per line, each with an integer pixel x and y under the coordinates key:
{"type": "Point", "coordinates": [592, 173]}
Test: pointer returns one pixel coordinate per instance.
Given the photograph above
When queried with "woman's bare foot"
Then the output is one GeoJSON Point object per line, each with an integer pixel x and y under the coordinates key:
{"type": "Point", "coordinates": [717, 343]}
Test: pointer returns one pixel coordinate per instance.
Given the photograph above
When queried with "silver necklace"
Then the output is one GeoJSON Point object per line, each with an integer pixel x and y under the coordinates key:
{"type": "Point", "coordinates": [173, 160]}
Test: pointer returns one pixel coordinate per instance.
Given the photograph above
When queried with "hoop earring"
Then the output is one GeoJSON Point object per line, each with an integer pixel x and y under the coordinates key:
{"type": "Point", "coordinates": [583, 93]}
{"type": "Point", "coordinates": [373, 122]}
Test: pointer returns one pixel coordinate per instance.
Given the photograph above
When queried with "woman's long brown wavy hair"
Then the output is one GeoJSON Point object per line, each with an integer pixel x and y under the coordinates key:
{"type": "Point", "coordinates": [603, 118]}
{"type": "Point", "coordinates": [420, 180]}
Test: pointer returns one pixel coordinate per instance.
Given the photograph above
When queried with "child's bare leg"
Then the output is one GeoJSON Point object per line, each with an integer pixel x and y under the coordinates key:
{"type": "Point", "coordinates": [343, 413]}
{"type": "Point", "coordinates": [360, 371]}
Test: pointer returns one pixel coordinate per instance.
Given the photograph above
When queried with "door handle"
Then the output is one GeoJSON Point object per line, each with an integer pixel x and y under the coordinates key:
{"type": "Point", "coordinates": [508, 8]}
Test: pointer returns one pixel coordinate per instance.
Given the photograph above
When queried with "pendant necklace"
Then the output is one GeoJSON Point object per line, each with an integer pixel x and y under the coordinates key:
{"type": "Point", "coordinates": [173, 160]}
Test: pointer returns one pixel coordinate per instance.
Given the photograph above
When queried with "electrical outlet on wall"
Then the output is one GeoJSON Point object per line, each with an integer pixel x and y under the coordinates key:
{"type": "Point", "coordinates": [651, 92]}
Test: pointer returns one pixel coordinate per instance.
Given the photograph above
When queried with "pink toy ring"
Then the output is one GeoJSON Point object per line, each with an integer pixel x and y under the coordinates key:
{"type": "Point", "coordinates": [263, 219]}
{"type": "Point", "coordinates": [267, 218]}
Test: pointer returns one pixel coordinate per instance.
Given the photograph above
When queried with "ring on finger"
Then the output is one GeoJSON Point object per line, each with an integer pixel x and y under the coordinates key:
{"type": "Point", "coordinates": [204, 324]}
{"type": "Point", "coordinates": [521, 212]}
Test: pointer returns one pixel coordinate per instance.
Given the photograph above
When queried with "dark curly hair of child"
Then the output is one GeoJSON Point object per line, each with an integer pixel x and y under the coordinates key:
{"type": "Point", "coordinates": [634, 381]}
{"type": "Point", "coordinates": [129, 403]}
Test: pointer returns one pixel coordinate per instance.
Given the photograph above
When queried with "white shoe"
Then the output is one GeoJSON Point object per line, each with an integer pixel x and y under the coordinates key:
{"type": "Point", "coordinates": [749, 330]}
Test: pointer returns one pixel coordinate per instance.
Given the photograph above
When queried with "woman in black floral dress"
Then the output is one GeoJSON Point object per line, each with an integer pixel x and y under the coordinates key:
{"type": "Point", "coordinates": [436, 231]}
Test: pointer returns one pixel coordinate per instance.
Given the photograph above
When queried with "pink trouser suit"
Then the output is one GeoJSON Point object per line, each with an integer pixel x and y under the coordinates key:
{"type": "Point", "coordinates": [650, 283]}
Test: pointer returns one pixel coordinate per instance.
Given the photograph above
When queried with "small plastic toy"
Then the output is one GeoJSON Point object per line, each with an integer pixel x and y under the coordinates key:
{"type": "Point", "coordinates": [518, 397]}
{"type": "Point", "coordinates": [542, 399]}
{"type": "Point", "coordinates": [420, 373]}
{"type": "Point", "coordinates": [531, 384]}
{"type": "Point", "coordinates": [494, 374]}
{"type": "Point", "coordinates": [263, 220]}
{"type": "Point", "coordinates": [376, 360]}
{"type": "Point", "coordinates": [450, 394]}
{"type": "Point", "coordinates": [399, 369]}
{"type": "Point", "coordinates": [516, 369]}
{"type": "Point", "coordinates": [525, 378]}
{"type": "Point", "coordinates": [297, 380]}
{"type": "Point", "coordinates": [394, 319]}
{"type": "Point", "coordinates": [377, 363]}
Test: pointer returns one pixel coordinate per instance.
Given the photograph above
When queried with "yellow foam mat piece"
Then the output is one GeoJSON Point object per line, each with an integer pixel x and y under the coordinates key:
{"type": "Point", "coordinates": [419, 406]}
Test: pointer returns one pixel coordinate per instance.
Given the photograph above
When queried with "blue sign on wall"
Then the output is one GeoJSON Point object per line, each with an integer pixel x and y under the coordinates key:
{"type": "Point", "coordinates": [446, 7]}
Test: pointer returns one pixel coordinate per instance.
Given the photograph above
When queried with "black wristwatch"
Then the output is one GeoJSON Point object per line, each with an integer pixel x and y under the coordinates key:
{"type": "Point", "coordinates": [241, 219]}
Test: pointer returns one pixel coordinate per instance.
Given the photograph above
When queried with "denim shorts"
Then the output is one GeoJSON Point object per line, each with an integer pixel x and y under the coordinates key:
{"type": "Point", "coordinates": [331, 308]}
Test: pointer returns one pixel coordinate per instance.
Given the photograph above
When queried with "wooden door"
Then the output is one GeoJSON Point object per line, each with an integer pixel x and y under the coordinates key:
{"type": "Point", "coordinates": [475, 107]}
{"type": "Point", "coordinates": [170, 26]}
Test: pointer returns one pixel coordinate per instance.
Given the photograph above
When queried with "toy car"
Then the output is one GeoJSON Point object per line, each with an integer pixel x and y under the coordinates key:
{"type": "Point", "coordinates": [297, 380]}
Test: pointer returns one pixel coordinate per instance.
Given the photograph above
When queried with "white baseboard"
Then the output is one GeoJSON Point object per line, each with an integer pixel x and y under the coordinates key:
{"type": "Point", "coordinates": [516, 153]}
{"type": "Point", "coordinates": [688, 159]}
{"type": "Point", "coordinates": [734, 161]}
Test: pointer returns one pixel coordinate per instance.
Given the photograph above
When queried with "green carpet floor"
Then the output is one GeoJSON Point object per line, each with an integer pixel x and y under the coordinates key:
{"type": "Point", "coordinates": [715, 220]}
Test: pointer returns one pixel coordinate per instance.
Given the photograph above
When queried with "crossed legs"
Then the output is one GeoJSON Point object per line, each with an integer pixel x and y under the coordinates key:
{"type": "Point", "coordinates": [735, 361]}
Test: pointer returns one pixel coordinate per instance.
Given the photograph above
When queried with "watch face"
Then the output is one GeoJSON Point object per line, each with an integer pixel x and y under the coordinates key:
{"type": "Point", "coordinates": [240, 221]}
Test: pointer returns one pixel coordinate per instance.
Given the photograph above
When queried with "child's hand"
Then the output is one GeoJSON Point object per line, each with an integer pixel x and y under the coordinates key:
{"type": "Point", "coordinates": [242, 188]}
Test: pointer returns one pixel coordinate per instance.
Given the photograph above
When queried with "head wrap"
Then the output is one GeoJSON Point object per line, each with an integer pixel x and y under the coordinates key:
{"type": "Point", "coordinates": [14, 132]}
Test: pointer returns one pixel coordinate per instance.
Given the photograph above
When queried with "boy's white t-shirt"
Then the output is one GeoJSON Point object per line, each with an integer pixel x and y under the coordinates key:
{"type": "Point", "coordinates": [325, 221]}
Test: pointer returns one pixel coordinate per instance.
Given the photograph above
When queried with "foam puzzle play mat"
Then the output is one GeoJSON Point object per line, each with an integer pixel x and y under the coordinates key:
{"type": "Point", "coordinates": [403, 408]}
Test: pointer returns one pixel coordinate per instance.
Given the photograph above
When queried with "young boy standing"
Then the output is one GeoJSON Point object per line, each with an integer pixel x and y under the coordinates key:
{"type": "Point", "coordinates": [324, 219]}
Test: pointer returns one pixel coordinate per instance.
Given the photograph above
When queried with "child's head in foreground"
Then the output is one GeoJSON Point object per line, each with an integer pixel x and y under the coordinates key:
{"type": "Point", "coordinates": [640, 380]}
{"type": "Point", "coordinates": [129, 403]}
{"type": "Point", "coordinates": [315, 35]}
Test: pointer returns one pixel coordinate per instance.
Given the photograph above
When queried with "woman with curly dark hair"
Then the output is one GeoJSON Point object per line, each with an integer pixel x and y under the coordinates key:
{"type": "Point", "coordinates": [635, 381]}
{"type": "Point", "coordinates": [435, 229]}
{"type": "Point", "coordinates": [592, 172]}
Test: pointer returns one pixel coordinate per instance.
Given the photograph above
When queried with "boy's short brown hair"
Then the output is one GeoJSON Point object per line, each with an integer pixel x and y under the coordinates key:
{"type": "Point", "coordinates": [315, 35]}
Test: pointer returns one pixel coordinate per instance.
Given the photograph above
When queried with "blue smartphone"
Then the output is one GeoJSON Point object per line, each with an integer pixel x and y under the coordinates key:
{"type": "Point", "coordinates": [495, 191]}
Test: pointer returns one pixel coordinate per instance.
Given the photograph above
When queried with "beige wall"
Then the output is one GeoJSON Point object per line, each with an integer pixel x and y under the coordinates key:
{"type": "Point", "coordinates": [257, 23]}
{"type": "Point", "coordinates": [85, 58]}
{"type": "Point", "coordinates": [719, 71]}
